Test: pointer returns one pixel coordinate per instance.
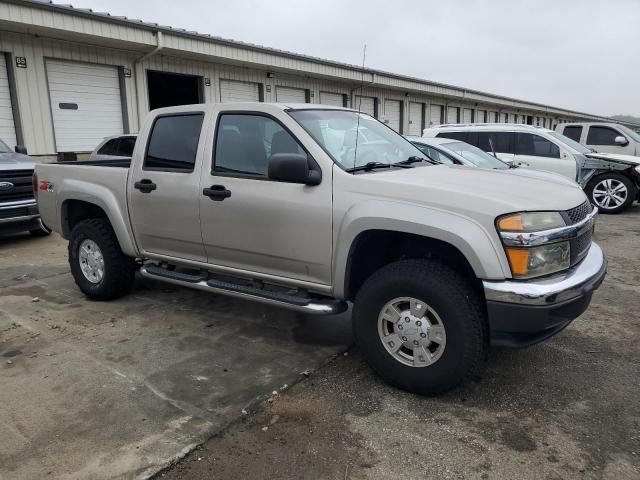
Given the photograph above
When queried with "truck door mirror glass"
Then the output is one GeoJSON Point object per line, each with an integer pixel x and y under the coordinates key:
{"type": "Point", "coordinates": [21, 149]}
{"type": "Point", "coordinates": [620, 140]}
{"type": "Point", "coordinates": [292, 168]}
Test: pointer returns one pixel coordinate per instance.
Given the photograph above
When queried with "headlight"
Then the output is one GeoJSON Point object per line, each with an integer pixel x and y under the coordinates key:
{"type": "Point", "coordinates": [538, 261]}
{"type": "Point", "coordinates": [637, 169]}
{"type": "Point", "coordinates": [531, 253]}
{"type": "Point", "coordinates": [530, 222]}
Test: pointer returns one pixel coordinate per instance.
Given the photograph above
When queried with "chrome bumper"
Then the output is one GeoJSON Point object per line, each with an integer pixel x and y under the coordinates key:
{"type": "Point", "coordinates": [577, 282]}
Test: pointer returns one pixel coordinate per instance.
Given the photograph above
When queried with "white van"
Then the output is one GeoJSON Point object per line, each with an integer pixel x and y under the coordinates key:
{"type": "Point", "coordinates": [603, 137]}
{"type": "Point", "coordinates": [612, 182]}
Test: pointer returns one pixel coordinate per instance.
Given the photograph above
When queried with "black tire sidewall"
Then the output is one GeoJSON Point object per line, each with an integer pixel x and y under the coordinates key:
{"type": "Point", "coordinates": [457, 316]}
{"type": "Point", "coordinates": [80, 233]}
{"type": "Point", "coordinates": [631, 189]}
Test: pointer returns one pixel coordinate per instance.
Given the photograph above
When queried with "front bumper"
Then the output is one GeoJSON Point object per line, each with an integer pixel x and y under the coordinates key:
{"type": "Point", "coordinates": [522, 313]}
{"type": "Point", "coordinates": [19, 216]}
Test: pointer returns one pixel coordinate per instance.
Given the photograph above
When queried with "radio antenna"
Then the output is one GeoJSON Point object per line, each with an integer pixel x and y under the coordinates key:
{"type": "Point", "coordinates": [355, 150]}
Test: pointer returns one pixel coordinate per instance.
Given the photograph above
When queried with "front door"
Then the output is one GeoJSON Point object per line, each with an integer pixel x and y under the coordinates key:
{"type": "Point", "coordinates": [163, 189]}
{"type": "Point", "coordinates": [254, 224]}
{"type": "Point", "coordinates": [539, 153]}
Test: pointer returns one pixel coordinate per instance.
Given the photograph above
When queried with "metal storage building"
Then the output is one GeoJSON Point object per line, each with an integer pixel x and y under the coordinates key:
{"type": "Point", "coordinates": [70, 77]}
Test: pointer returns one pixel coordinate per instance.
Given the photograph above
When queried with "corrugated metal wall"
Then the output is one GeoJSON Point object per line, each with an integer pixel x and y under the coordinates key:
{"type": "Point", "coordinates": [33, 94]}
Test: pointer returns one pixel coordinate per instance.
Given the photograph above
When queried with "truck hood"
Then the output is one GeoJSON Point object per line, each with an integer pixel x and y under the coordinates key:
{"type": "Point", "coordinates": [615, 157]}
{"type": "Point", "coordinates": [16, 161]}
{"type": "Point", "coordinates": [473, 191]}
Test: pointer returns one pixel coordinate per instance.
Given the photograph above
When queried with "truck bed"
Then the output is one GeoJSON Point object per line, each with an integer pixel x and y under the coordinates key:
{"type": "Point", "coordinates": [121, 163]}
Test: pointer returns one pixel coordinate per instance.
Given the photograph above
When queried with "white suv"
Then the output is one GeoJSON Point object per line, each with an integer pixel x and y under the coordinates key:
{"type": "Point", "coordinates": [603, 137]}
{"type": "Point", "coordinates": [612, 182]}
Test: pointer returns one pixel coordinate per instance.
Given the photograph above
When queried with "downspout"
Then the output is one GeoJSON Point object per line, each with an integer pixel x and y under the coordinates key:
{"type": "Point", "coordinates": [139, 75]}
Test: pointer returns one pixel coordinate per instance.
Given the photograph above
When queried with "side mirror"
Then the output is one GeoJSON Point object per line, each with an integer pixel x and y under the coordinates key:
{"type": "Point", "coordinates": [292, 168]}
{"type": "Point", "coordinates": [620, 140]}
{"type": "Point", "coordinates": [21, 149]}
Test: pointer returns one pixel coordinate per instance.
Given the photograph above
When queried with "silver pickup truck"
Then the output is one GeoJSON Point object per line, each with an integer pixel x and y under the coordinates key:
{"type": "Point", "coordinates": [312, 208]}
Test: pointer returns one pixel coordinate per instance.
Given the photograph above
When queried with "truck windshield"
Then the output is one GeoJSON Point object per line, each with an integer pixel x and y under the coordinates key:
{"type": "Point", "coordinates": [578, 147]}
{"type": "Point", "coordinates": [475, 155]}
{"type": "Point", "coordinates": [355, 139]}
{"type": "Point", "coordinates": [627, 131]}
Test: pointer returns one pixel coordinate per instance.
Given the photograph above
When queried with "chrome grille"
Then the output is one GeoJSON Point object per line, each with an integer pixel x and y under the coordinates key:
{"type": "Point", "coordinates": [579, 213]}
{"type": "Point", "coordinates": [580, 246]}
{"type": "Point", "coordinates": [22, 187]}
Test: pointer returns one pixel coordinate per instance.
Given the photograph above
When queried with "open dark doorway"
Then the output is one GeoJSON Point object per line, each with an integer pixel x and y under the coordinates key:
{"type": "Point", "coordinates": [169, 89]}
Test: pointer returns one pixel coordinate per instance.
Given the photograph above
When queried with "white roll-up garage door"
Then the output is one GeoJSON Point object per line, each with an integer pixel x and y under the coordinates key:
{"type": "Point", "coordinates": [291, 95]}
{"type": "Point", "coordinates": [7, 127]}
{"type": "Point", "coordinates": [453, 114]}
{"type": "Point", "coordinates": [334, 99]}
{"type": "Point", "coordinates": [365, 105]}
{"type": "Point", "coordinates": [235, 91]}
{"type": "Point", "coordinates": [392, 114]}
{"type": "Point", "coordinates": [467, 115]}
{"type": "Point", "coordinates": [415, 118]}
{"type": "Point", "coordinates": [85, 102]}
{"type": "Point", "coordinates": [435, 115]}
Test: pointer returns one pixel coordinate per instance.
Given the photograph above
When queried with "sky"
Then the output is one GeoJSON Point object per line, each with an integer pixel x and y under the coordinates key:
{"type": "Point", "coordinates": [576, 54]}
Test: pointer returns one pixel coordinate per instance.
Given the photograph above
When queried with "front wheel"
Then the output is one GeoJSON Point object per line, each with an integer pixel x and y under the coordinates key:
{"type": "Point", "coordinates": [420, 326]}
{"type": "Point", "coordinates": [97, 263]}
{"type": "Point", "coordinates": [611, 192]}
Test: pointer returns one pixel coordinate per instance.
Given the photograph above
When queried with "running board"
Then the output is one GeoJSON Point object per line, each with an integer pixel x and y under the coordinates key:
{"type": "Point", "coordinates": [309, 305]}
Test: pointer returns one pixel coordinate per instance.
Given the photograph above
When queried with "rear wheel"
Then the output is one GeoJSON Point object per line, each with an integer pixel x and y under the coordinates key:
{"type": "Point", "coordinates": [420, 326]}
{"type": "Point", "coordinates": [97, 263]}
{"type": "Point", "coordinates": [611, 192]}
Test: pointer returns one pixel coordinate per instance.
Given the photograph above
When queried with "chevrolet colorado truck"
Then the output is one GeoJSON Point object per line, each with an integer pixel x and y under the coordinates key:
{"type": "Point", "coordinates": [18, 208]}
{"type": "Point", "coordinates": [313, 208]}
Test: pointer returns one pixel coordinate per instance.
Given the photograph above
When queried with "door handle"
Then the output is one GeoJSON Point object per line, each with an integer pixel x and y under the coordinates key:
{"type": "Point", "coordinates": [216, 192]}
{"type": "Point", "coordinates": [145, 185]}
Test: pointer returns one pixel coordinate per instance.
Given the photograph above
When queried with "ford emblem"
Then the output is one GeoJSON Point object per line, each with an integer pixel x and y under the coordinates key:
{"type": "Point", "coordinates": [5, 186]}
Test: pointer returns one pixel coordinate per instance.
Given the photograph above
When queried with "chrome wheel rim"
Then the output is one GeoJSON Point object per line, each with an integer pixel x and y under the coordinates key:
{"type": "Point", "coordinates": [412, 332]}
{"type": "Point", "coordinates": [610, 193]}
{"type": "Point", "coordinates": [91, 261]}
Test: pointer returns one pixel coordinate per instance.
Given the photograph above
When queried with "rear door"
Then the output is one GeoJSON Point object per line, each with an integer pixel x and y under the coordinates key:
{"type": "Point", "coordinates": [540, 153]}
{"type": "Point", "coordinates": [163, 190]}
{"type": "Point", "coordinates": [265, 226]}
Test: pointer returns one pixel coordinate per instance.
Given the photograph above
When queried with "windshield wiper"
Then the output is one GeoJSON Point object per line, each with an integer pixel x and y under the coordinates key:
{"type": "Point", "coordinates": [369, 166]}
{"type": "Point", "coordinates": [416, 159]}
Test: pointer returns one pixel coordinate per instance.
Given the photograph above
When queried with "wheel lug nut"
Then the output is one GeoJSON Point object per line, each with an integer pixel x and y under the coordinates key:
{"type": "Point", "coordinates": [406, 319]}
{"type": "Point", "coordinates": [419, 323]}
{"type": "Point", "coordinates": [415, 342]}
{"type": "Point", "coordinates": [404, 339]}
{"type": "Point", "coordinates": [400, 327]}
{"type": "Point", "coordinates": [423, 335]}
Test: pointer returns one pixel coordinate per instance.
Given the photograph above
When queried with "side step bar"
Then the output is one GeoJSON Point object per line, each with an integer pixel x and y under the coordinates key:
{"type": "Point", "coordinates": [309, 305]}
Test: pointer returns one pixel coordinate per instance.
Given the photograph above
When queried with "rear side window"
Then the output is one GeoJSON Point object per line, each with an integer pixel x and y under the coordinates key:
{"type": "Point", "coordinates": [109, 148]}
{"type": "Point", "coordinates": [462, 136]}
{"type": "Point", "coordinates": [125, 146]}
{"type": "Point", "coordinates": [574, 132]}
{"type": "Point", "coordinates": [244, 144]}
{"type": "Point", "coordinates": [173, 143]}
{"type": "Point", "coordinates": [501, 141]}
{"type": "Point", "coordinates": [535, 145]}
{"type": "Point", "coordinates": [602, 136]}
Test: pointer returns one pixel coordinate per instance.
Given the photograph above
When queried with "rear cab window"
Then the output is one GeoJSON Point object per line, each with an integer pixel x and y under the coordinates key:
{"type": "Point", "coordinates": [173, 142]}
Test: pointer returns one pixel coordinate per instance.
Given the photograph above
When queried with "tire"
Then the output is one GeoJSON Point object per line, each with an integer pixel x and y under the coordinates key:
{"type": "Point", "coordinates": [41, 231]}
{"type": "Point", "coordinates": [99, 242]}
{"type": "Point", "coordinates": [456, 306]}
{"type": "Point", "coordinates": [611, 192]}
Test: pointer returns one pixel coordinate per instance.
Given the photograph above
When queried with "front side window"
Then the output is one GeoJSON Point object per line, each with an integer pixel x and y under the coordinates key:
{"type": "Point", "coordinates": [434, 154]}
{"type": "Point", "coordinates": [536, 146]}
{"type": "Point", "coordinates": [244, 144]}
{"type": "Point", "coordinates": [355, 139]}
{"type": "Point", "coordinates": [602, 136]}
{"type": "Point", "coordinates": [574, 132]}
{"type": "Point", "coordinates": [173, 143]}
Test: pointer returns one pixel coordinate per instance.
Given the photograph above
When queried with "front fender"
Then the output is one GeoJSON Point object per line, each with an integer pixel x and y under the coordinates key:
{"type": "Point", "coordinates": [481, 248]}
{"type": "Point", "coordinates": [104, 198]}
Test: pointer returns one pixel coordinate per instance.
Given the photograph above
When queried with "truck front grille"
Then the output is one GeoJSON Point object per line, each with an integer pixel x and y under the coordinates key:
{"type": "Point", "coordinates": [22, 188]}
{"type": "Point", "coordinates": [578, 213]}
{"type": "Point", "coordinates": [580, 246]}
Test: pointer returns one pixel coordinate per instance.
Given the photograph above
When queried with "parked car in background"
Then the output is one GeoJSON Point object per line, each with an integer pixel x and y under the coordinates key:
{"type": "Point", "coordinates": [18, 208]}
{"type": "Point", "coordinates": [603, 137]}
{"type": "Point", "coordinates": [288, 205]}
{"type": "Point", "coordinates": [116, 147]}
{"type": "Point", "coordinates": [611, 181]}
